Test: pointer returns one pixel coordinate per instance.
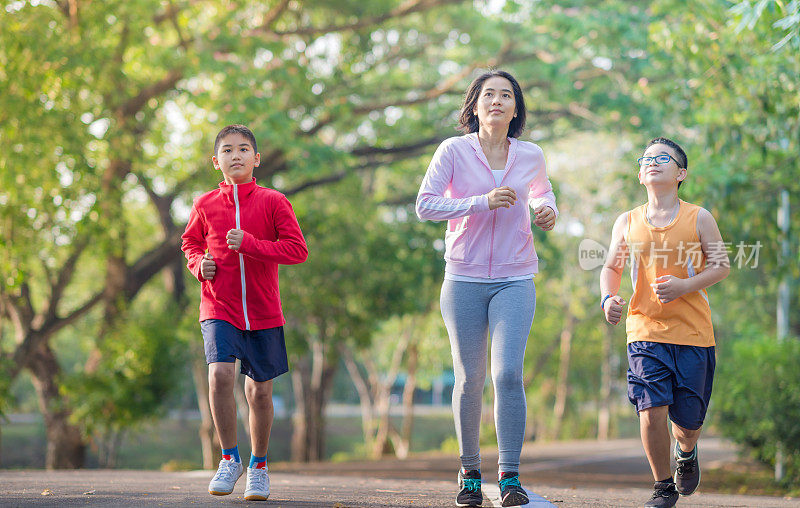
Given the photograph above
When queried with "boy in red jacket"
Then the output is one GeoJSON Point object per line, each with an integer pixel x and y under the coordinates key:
{"type": "Point", "coordinates": [235, 238]}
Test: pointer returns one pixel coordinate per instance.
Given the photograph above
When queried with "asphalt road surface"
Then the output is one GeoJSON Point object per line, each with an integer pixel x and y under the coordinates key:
{"type": "Point", "coordinates": [581, 474]}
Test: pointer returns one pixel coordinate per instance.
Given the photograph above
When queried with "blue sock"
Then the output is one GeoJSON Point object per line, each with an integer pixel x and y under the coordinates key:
{"type": "Point", "coordinates": [258, 462]}
{"type": "Point", "coordinates": [229, 453]}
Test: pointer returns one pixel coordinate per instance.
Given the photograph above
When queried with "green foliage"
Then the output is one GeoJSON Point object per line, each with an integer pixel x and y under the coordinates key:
{"type": "Point", "coordinates": [366, 263]}
{"type": "Point", "coordinates": [347, 105]}
{"type": "Point", "coordinates": [450, 445]}
{"type": "Point", "coordinates": [428, 336]}
{"type": "Point", "coordinates": [724, 89]}
{"type": "Point", "coordinates": [787, 14]}
{"type": "Point", "coordinates": [588, 207]}
{"type": "Point", "coordinates": [757, 399]}
{"type": "Point", "coordinates": [6, 398]}
{"type": "Point", "coordinates": [179, 465]}
{"type": "Point", "coordinates": [142, 361]}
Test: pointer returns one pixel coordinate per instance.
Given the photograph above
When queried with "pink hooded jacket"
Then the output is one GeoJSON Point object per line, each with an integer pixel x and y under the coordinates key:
{"type": "Point", "coordinates": [481, 242]}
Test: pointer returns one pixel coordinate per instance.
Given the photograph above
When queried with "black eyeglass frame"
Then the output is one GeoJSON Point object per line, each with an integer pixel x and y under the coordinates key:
{"type": "Point", "coordinates": [665, 158]}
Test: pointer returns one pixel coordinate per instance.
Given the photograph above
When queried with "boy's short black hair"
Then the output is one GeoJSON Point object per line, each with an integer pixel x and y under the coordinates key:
{"type": "Point", "coordinates": [468, 121]}
{"type": "Point", "coordinates": [236, 129]}
{"type": "Point", "coordinates": [682, 161]}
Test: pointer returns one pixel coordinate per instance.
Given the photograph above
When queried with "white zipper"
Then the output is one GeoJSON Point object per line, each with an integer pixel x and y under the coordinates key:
{"type": "Point", "coordinates": [241, 259]}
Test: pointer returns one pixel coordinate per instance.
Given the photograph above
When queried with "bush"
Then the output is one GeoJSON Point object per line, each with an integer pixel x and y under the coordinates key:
{"type": "Point", "coordinates": [180, 465]}
{"type": "Point", "coordinates": [450, 445]}
{"type": "Point", "coordinates": [757, 399]}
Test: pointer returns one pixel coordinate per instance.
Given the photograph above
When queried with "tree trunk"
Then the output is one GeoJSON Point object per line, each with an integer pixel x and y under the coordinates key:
{"type": "Point", "coordinates": [604, 411]}
{"type": "Point", "coordinates": [209, 441]}
{"type": "Point", "coordinates": [381, 444]}
{"type": "Point", "coordinates": [562, 385]}
{"type": "Point", "coordinates": [403, 444]}
{"type": "Point", "coordinates": [65, 446]}
{"type": "Point", "coordinates": [311, 380]}
{"type": "Point", "coordinates": [114, 307]}
{"type": "Point", "coordinates": [375, 393]}
{"type": "Point", "coordinates": [241, 403]}
{"type": "Point", "coordinates": [108, 447]}
{"type": "Point", "coordinates": [364, 397]}
{"type": "Point", "coordinates": [299, 422]}
{"type": "Point", "coordinates": [536, 424]}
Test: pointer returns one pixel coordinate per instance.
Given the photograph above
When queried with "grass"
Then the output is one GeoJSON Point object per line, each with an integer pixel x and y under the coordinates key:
{"type": "Point", "coordinates": [175, 443]}
{"type": "Point", "coordinates": [747, 477]}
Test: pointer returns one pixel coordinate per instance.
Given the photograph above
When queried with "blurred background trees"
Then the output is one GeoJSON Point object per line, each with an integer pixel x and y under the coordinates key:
{"type": "Point", "coordinates": [107, 116]}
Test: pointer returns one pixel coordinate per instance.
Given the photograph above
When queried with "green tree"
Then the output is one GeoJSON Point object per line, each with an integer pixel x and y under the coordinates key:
{"type": "Point", "coordinates": [725, 76]}
{"type": "Point", "coordinates": [366, 266]}
{"type": "Point", "coordinates": [115, 121]}
{"type": "Point", "coordinates": [759, 400]}
{"type": "Point", "coordinates": [138, 371]}
{"type": "Point", "coordinates": [736, 97]}
{"type": "Point", "coordinates": [331, 90]}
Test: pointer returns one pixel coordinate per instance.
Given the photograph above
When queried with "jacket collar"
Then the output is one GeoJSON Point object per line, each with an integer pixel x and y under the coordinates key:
{"type": "Point", "coordinates": [244, 189]}
{"type": "Point", "coordinates": [476, 145]}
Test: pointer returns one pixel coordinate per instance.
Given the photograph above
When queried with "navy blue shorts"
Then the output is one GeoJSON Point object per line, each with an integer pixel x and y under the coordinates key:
{"type": "Point", "coordinates": [672, 375]}
{"type": "Point", "coordinates": [262, 352]}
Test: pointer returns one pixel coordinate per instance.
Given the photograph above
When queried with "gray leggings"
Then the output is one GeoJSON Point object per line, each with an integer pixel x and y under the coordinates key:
{"type": "Point", "coordinates": [504, 310]}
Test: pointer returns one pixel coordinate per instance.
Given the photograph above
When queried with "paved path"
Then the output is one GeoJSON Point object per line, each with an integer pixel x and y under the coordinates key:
{"type": "Point", "coordinates": [579, 474]}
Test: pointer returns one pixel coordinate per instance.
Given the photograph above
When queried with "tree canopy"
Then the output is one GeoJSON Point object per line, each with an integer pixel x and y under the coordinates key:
{"type": "Point", "coordinates": [108, 112]}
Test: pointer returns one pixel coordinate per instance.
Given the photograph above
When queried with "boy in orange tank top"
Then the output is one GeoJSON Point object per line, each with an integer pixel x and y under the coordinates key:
{"type": "Point", "coordinates": [676, 251]}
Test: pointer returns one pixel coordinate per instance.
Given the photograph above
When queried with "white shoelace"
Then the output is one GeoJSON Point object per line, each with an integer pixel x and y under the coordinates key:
{"type": "Point", "coordinates": [226, 471]}
{"type": "Point", "coordinates": [257, 479]}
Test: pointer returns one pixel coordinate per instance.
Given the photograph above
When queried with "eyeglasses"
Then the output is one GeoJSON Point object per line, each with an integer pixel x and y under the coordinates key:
{"type": "Point", "coordinates": [660, 159]}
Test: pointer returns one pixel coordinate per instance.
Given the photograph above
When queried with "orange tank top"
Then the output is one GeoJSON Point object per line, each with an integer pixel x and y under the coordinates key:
{"type": "Point", "coordinates": [673, 249]}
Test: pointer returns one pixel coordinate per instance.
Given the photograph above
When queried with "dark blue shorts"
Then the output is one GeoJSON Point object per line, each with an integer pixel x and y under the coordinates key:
{"type": "Point", "coordinates": [262, 352]}
{"type": "Point", "coordinates": [672, 375]}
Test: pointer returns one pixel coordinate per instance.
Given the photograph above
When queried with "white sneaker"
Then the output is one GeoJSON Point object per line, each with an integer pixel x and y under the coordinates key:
{"type": "Point", "coordinates": [257, 484]}
{"type": "Point", "coordinates": [223, 482]}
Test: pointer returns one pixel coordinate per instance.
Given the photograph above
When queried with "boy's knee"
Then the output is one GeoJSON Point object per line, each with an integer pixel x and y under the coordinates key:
{"type": "Point", "coordinates": [684, 433]}
{"type": "Point", "coordinates": [654, 415]}
{"type": "Point", "coordinates": [259, 394]}
{"type": "Point", "coordinates": [260, 398]}
{"type": "Point", "coordinates": [220, 379]}
{"type": "Point", "coordinates": [220, 385]}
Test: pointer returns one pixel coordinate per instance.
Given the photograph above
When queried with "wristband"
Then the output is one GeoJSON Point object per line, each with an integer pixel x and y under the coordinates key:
{"type": "Point", "coordinates": [603, 301]}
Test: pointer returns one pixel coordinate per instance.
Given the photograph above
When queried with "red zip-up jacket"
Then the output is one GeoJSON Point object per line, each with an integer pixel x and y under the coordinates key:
{"type": "Point", "coordinates": [244, 291]}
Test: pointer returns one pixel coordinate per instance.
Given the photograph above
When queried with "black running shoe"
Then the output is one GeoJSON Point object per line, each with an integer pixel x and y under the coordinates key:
{"type": "Point", "coordinates": [511, 491]}
{"type": "Point", "coordinates": [687, 474]}
{"type": "Point", "coordinates": [470, 484]}
{"type": "Point", "coordinates": [665, 495]}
